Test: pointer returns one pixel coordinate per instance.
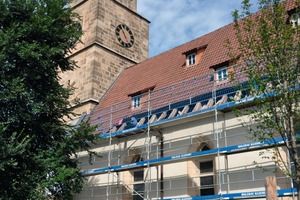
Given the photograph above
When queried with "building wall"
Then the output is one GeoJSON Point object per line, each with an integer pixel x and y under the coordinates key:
{"type": "Point", "coordinates": [233, 173]}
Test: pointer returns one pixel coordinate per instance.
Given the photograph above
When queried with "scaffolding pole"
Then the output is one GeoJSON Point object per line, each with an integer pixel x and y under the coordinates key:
{"type": "Point", "coordinates": [148, 150]}
{"type": "Point", "coordinates": [216, 132]}
{"type": "Point", "coordinates": [109, 156]}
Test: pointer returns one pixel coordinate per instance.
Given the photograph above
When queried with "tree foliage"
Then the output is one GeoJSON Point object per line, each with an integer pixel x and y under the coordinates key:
{"type": "Point", "coordinates": [269, 45]}
{"type": "Point", "coordinates": [37, 148]}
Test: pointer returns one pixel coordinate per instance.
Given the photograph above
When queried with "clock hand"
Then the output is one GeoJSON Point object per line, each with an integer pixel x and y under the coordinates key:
{"type": "Point", "coordinates": [125, 35]}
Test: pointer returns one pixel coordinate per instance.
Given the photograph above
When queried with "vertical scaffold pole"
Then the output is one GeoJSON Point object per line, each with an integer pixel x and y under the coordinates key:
{"type": "Point", "coordinates": [216, 132]}
{"type": "Point", "coordinates": [226, 156]}
{"type": "Point", "coordinates": [109, 155]}
{"type": "Point", "coordinates": [148, 148]}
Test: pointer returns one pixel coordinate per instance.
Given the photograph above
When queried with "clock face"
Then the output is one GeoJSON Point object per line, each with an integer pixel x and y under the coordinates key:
{"type": "Point", "coordinates": [124, 36]}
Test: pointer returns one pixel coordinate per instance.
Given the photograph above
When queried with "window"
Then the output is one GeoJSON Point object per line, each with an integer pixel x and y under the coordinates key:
{"type": "Point", "coordinates": [206, 167]}
{"type": "Point", "coordinates": [136, 101]}
{"type": "Point", "coordinates": [207, 185]}
{"type": "Point", "coordinates": [139, 185]}
{"type": "Point", "coordinates": [206, 176]}
{"type": "Point", "coordinates": [295, 19]}
{"type": "Point", "coordinates": [191, 58]}
{"type": "Point", "coordinates": [205, 148]}
{"type": "Point", "coordinates": [138, 181]}
{"type": "Point", "coordinates": [222, 74]}
{"type": "Point", "coordinates": [138, 188]}
{"type": "Point", "coordinates": [138, 175]}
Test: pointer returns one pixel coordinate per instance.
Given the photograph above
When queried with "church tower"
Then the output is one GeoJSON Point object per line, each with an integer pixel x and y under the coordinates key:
{"type": "Point", "coordinates": [114, 37]}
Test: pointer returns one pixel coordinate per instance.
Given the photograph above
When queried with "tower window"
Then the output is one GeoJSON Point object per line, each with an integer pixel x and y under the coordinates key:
{"type": "Point", "coordinates": [136, 101]}
{"type": "Point", "coordinates": [222, 74]}
{"type": "Point", "coordinates": [191, 59]}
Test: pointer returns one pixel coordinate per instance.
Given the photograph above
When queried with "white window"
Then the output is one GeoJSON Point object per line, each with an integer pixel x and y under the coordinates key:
{"type": "Point", "coordinates": [295, 19]}
{"type": "Point", "coordinates": [136, 101]}
{"type": "Point", "coordinates": [191, 59]}
{"type": "Point", "coordinates": [222, 74]}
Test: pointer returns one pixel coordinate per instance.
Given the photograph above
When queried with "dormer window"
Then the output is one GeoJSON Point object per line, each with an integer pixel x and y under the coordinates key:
{"type": "Point", "coordinates": [222, 71]}
{"type": "Point", "coordinates": [139, 98]}
{"type": "Point", "coordinates": [136, 101]}
{"type": "Point", "coordinates": [194, 56]}
{"type": "Point", "coordinates": [295, 19]}
{"type": "Point", "coordinates": [191, 59]}
{"type": "Point", "coordinates": [222, 74]}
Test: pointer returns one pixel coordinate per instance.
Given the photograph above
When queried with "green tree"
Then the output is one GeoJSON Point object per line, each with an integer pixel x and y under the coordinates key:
{"type": "Point", "coordinates": [37, 148]}
{"type": "Point", "coordinates": [269, 45]}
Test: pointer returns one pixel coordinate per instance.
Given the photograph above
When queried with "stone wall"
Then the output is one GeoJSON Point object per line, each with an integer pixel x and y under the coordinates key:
{"type": "Point", "coordinates": [100, 57]}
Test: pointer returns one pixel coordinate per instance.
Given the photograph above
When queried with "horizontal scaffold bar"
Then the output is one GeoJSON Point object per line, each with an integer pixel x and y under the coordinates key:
{"type": "Point", "coordinates": [242, 195]}
{"type": "Point", "coordinates": [180, 157]}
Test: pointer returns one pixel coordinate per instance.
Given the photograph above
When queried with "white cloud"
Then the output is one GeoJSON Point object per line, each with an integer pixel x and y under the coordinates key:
{"type": "Point", "coordinates": [174, 22]}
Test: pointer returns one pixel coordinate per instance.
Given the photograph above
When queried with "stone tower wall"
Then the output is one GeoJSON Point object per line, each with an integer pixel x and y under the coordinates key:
{"type": "Point", "coordinates": [100, 57]}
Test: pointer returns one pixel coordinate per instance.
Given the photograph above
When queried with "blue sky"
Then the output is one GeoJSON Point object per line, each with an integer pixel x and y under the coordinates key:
{"type": "Point", "coordinates": [174, 22]}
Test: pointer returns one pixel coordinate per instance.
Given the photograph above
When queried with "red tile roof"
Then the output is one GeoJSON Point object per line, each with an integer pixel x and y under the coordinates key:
{"type": "Point", "coordinates": [169, 67]}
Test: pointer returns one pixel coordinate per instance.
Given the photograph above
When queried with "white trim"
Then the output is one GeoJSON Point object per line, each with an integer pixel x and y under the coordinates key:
{"type": "Point", "coordinates": [191, 59]}
{"type": "Point", "coordinates": [223, 78]}
{"type": "Point", "coordinates": [136, 101]}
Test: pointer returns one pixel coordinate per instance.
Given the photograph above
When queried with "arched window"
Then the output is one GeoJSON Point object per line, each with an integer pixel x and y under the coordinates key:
{"type": "Point", "coordinates": [205, 148]}
{"type": "Point", "coordinates": [138, 158]}
{"type": "Point", "coordinates": [206, 168]}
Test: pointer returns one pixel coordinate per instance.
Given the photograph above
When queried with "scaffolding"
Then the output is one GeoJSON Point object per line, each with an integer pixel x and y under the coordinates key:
{"type": "Point", "coordinates": [200, 109]}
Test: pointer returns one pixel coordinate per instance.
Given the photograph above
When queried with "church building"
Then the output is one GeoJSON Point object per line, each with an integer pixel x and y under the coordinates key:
{"type": "Point", "coordinates": [167, 123]}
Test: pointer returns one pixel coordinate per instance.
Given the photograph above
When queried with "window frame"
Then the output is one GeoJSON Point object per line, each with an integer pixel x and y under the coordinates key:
{"type": "Point", "coordinates": [222, 78]}
{"type": "Point", "coordinates": [136, 101]}
{"type": "Point", "coordinates": [138, 175]}
{"type": "Point", "coordinates": [138, 181]}
{"type": "Point", "coordinates": [207, 189]}
{"type": "Point", "coordinates": [136, 196]}
{"type": "Point", "coordinates": [206, 171]}
{"type": "Point", "coordinates": [191, 59]}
